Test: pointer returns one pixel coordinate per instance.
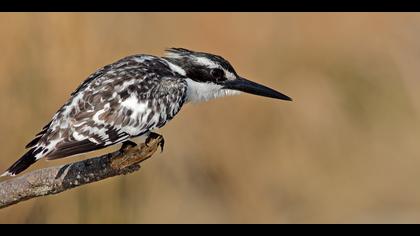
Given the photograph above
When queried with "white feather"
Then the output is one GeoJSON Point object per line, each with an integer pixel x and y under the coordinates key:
{"type": "Point", "coordinates": [200, 92]}
{"type": "Point", "coordinates": [176, 68]}
{"type": "Point", "coordinates": [206, 62]}
{"type": "Point", "coordinates": [143, 58]}
{"type": "Point", "coordinates": [78, 137]}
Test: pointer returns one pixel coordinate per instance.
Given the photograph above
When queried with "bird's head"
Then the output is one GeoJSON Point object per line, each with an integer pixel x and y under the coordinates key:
{"type": "Point", "coordinates": [211, 76]}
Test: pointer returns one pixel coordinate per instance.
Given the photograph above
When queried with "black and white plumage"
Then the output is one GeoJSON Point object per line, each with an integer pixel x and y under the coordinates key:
{"type": "Point", "coordinates": [130, 98]}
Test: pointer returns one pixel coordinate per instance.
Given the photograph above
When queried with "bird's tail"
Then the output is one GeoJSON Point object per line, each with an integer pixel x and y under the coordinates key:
{"type": "Point", "coordinates": [24, 162]}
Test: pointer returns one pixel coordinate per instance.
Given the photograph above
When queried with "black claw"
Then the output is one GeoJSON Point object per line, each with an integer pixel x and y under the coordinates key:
{"type": "Point", "coordinates": [127, 144]}
{"type": "Point", "coordinates": [161, 144]}
{"type": "Point", "coordinates": [155, 136]}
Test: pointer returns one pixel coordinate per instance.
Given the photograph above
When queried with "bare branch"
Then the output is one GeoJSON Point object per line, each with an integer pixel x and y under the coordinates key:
{"type": "Point", "coordinates": [57, 179]}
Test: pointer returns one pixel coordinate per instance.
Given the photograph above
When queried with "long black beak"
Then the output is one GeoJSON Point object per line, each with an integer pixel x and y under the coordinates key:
{"type": "Point", "coordinates": [247, 86]}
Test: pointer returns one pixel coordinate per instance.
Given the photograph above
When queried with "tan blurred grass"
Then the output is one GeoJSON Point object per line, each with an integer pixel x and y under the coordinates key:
{"type": "Point", "coordinates": [344, 151]}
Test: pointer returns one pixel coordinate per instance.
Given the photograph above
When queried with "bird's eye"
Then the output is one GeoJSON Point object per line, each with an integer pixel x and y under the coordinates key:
{"type": "Point", "coordinates": [219, 74]}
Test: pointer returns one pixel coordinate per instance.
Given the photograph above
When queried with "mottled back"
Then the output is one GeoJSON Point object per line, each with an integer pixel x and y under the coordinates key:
{"type": "Point", "coordinates": [119, 101]}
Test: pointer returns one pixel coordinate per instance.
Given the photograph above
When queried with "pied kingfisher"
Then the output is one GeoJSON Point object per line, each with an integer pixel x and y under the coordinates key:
{"type": "Point", "coordinates": [131, 97]}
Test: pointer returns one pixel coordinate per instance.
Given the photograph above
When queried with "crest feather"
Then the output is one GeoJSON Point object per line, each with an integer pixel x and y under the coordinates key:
{"type": "Point", "coordinates": [177, 52]}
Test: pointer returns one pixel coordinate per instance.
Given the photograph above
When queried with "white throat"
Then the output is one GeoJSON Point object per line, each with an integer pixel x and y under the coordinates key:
{"type": "Point", "coordinates": [201, 92]}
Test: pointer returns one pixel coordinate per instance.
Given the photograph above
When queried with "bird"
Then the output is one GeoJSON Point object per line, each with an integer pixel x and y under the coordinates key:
{"type": "Point", "coordinates": [131, 98]}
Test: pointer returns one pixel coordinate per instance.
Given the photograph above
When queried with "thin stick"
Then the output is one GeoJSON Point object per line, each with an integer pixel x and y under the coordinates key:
{"type": "Point", "coordinates": [57, 179]}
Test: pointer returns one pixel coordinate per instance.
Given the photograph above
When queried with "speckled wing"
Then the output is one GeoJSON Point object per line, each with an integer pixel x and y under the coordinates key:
{"type": "Point", "coordinates": [122, 100]}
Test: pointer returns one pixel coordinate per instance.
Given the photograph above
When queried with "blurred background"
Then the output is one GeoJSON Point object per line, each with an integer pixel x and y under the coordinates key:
{"type": "Point", "coordinates": [344, 151]}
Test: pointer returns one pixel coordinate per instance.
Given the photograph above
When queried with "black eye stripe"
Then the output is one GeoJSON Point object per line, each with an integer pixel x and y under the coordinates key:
{"type": "Point", "coordinates": [217, 72]}
{"type": "Point", "coordinates": [199, 75]}
{"type": "Point", "coordinates": [203, 74]}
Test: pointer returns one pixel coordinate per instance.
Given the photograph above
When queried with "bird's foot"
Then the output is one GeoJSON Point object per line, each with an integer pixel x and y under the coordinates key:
{"type": "Point", "coordinates": [153, 136]}
{"type": "Point", "coordinates": [127, 145]}
{"type": "Point", "coordinates": [132, 154]}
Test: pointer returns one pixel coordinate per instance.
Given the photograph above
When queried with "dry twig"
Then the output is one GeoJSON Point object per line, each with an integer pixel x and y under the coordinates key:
{"type": "Point", "coordinates": [57, 179]}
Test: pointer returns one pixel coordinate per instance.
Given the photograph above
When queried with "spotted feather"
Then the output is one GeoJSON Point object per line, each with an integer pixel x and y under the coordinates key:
{"type": "Point", "coordinates": [126, 99]}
